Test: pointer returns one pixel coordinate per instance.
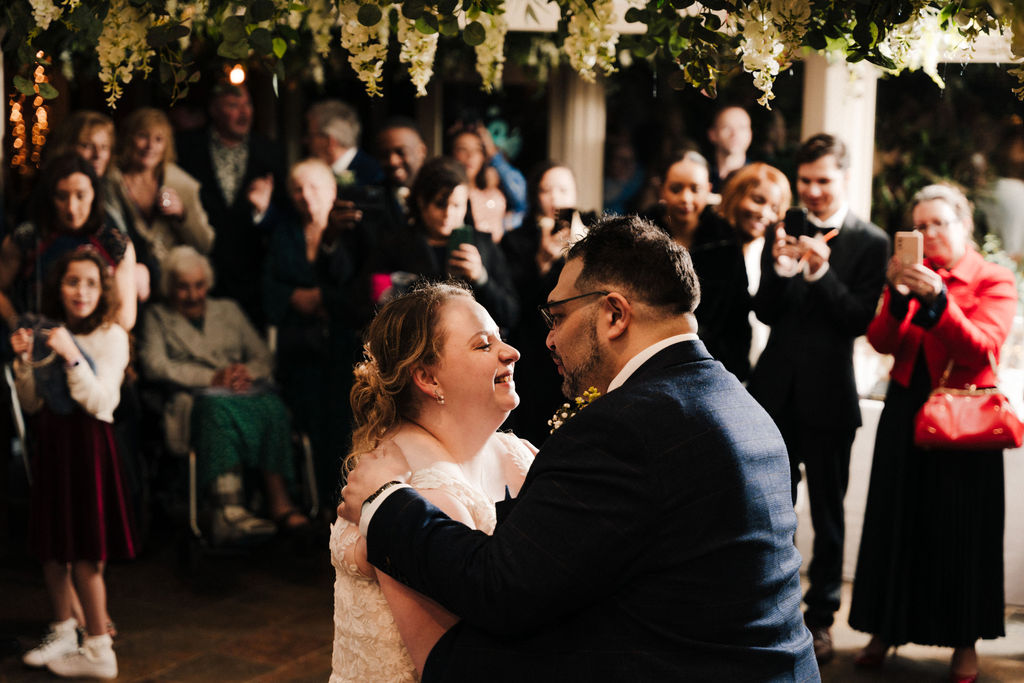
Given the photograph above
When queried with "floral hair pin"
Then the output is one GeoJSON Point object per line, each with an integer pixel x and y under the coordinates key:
{"type": "Point", "coordinates": [569, 409]}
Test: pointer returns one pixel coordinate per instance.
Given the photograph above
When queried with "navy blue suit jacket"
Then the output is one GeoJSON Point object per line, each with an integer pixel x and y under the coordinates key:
{"type": "Point", "coordinates": [651, 541]}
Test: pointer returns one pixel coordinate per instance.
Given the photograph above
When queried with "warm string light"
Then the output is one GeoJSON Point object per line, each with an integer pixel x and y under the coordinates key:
{"type": "Point", "coordinates": [28, 146]}
{"type": "Point", "coordinates": [237, 75]}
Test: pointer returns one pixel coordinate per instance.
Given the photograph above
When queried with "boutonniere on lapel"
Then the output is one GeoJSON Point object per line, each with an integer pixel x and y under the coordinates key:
{"type": "Point", "coordinates": [569, 409]}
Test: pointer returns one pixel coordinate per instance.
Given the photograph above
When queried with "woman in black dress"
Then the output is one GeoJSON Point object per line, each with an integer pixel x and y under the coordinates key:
{"type": "Point", "coordinates": [930, 568]}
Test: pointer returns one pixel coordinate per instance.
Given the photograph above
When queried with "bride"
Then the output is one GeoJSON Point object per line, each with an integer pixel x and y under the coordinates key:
{"type": "Point", "coordinates": [437, 384]}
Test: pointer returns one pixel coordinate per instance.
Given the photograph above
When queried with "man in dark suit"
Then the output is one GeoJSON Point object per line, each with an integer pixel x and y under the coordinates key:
{"type": "Point", "coordinates": [240, 173]}
{"type": "Point", "coordinates": [818, 296]}
{"type": "Point", "coordinates": [333, 136]}
{"type": "Point", "coordinates": [401, 151]}
{"type": "Point", "coordinates": [652, 539]}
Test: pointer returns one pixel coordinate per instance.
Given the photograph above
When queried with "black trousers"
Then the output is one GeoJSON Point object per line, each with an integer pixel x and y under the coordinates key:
{"type": "Point", "coordinates": [825, 455]}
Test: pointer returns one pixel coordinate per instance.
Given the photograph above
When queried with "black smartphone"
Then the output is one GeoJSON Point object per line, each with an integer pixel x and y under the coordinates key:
{"type": "Point", "coordinates": [563, 219]}
{"type": "Point", "coordinates": [458, 237]}
{"type": "Point", "coordinates": [796, 222]}
{"type": "Point", "coordinates": [367, 198]}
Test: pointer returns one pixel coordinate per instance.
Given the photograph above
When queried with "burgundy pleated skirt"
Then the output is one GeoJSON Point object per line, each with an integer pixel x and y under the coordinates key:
{"type": "Point", "coordinates": [80, 509]}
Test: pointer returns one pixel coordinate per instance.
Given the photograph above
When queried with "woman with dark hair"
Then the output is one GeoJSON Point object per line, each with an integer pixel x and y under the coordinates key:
{"type": "Point", "coordinates": [683, 212]}
{"type": "Point", "coordinates": [930, 567]}
{"type": "Point", "coordinates": [80, 517]}
{"type": "Point", "coordinates": [439, 245]}
{"type": "Point", "coordinates": [68, 212]}
{"type": "Point", "coordinates": [535, 254]}
{"type": "Point", "coordinates": [497, 190]}
{"type": "Point", "coordinates": [436, 383]}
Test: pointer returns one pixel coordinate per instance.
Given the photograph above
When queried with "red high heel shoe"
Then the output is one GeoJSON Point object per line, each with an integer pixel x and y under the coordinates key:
{"type": "Point", "coordinates": [956, 678]}
{"type": "Point", "coordinates": [871, 657]}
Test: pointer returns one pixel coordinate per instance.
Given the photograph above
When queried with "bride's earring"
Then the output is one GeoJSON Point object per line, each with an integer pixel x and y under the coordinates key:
{"type": "Point", "coordinates": [438, 397]}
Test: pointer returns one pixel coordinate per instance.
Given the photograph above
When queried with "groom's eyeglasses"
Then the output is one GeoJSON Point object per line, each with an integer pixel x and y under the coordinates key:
{"type": "Point", "coordinates": [545, 309]}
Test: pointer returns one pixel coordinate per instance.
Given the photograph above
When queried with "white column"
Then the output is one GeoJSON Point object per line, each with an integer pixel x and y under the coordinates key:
{"type": "Point", "coordinates": [576, 112]}
{"type": "Point", "coordinates": [840, 99]}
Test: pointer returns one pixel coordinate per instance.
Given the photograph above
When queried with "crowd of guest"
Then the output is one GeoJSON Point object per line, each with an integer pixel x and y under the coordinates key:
{"type": "Point", "coordinates": [253, 284]}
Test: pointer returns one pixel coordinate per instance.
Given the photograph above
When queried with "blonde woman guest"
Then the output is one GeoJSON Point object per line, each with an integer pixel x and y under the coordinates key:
{"type": "Point", "coordinates": [160, 199]}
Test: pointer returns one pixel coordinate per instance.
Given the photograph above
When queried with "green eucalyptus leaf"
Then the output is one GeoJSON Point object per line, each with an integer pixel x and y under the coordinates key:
{"type": "Point", "coordinates": [636, 15]}
{"type": "Point", "coordinates": [474, 34]}
{"type": "Point", "coordinates": [289, 34]}
{"type": "Point", "coordinates": [681, 4]}
{"type": "Point", "coordinates": [280, 47]}
{"type": "Point", "coordinates": [194, 78]}
{"type": "Point", "coordinates": [262, 40]}
{"type": "Point", "coordinates": [449, 26]}
{"type": "Point", "coordinates": [166, 73]}
{"type": "Point", "coordinates": [296, 7]}
{"type": "Point", "coordinates": [413, 9]}
{"type": "Point", "coordinates": [233, 29]}
{"type": "Point", "coordinates": [369, 14]}
{"type": "Point", "coordinates": [234, 49]}
{"type": "Point", "coordinates": [447, 7]}
{"type": "Point", "coordinates": [262, 10]}
{"type": "Point", "coordinates": [176, 31]}
{"type": "Point", "coordinates": [47, 91]}
{"type": "Point", "coordinates": [644, 49]}
{"type": "Point", "coordinates": [427, 24]}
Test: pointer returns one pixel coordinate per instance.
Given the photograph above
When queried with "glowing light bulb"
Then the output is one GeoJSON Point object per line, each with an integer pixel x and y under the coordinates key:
{"type": "Point", "coordinates": [237, 75]}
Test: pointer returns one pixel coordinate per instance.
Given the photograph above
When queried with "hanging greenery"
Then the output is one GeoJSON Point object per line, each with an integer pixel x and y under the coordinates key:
{"type": "Point", "coordinates": [128, 37]}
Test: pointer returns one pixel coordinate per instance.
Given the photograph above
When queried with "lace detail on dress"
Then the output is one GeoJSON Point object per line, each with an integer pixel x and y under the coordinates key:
{"type": "Point", "coordinates": [367, 646]}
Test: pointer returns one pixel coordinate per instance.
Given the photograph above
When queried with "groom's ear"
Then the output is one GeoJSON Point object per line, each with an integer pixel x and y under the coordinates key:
{"type": "Point", "coordinates": [619, 314]}
{"type": "Point", "coordinates": [425, 380]}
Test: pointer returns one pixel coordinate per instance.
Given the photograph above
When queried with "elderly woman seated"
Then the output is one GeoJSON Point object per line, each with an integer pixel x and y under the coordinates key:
{"type": "Point", "coordinates": [222, 404]}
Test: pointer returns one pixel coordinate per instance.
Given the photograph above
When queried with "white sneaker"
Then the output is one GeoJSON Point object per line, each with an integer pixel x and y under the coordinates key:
{"type": "Point", "coordinates": [61, 639]}
{"type": "Point", "coordinates": [95, 659]}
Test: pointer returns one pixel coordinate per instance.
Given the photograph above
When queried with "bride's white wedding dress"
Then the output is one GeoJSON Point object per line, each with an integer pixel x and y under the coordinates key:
{"type": "Point", "coordinates": [367, 646]}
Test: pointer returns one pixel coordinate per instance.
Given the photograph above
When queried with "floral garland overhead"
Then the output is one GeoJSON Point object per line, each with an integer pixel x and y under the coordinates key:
{"type": "Point", "coordinates": [124, 38]}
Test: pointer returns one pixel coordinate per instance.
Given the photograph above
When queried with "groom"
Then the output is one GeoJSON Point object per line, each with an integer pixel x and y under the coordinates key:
{"type": "Point", "coordinates": [653, 537]}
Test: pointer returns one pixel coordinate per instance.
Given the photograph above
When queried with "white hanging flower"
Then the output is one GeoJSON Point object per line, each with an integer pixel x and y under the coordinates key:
{"type": "Point", "coordinates": [490, 54]}
{"type": "Point", "coordinates": [762, 49]}
{"type": "Point", "coordinates": [591, 42]}
{"type": "Point", "coordinates": [122, 48]}
{"type": "Point", "coordinates": [367, 46]}
{"type": "Point", "coordinates": [921, 43]}
{"type": "Point", "coordinates": [45, 12]}
{"type": "Point", "coordinates": [418, 50]}
{"type": "Point", "coordinates": [321, 18]}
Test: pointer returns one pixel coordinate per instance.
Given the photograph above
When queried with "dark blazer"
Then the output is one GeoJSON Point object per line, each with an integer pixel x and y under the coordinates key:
{"type": "Point", "coordinates": [981, 299]}
{"type": "Point", "coordinates": [408, 250]}
{"type": "Point", "coordinates": [651, 541]}
{"type": "Point", "coordinates": [723, 316]}
{"type": "Point", "coordinates": [240, 247]}
{"type": "Point", "coordinates": [366, 169]}
{"type": "Point", "coordinates": [807, 366]}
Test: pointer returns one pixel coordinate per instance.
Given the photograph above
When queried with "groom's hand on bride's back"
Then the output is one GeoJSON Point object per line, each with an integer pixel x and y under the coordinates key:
{"type": "Point", "coordinates": [373, 470]}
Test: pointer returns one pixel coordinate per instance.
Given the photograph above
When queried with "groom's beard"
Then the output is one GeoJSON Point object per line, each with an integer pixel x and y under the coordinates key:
{"type": "Point", "coordinates": [580, 378]}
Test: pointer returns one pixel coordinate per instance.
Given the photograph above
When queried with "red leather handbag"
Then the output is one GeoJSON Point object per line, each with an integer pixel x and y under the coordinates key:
{"type": "Point", "coordinates": [967, 419]}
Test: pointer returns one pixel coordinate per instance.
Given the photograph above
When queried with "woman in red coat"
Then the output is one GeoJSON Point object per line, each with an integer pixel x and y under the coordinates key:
{"type": "Point", "coordinates": [930, 568]}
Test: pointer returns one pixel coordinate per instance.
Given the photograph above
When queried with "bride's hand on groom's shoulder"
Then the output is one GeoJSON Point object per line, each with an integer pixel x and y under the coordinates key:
{"type": "Point", "coordinates": [374, 469]}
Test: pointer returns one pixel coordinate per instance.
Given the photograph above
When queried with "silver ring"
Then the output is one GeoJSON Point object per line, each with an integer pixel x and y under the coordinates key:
{"type": "Point", "coordinates": [165, 202]}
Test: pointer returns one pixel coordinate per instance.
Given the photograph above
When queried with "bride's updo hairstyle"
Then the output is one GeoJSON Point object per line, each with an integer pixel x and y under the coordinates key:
{"type": "Point", "coordinates": [404, 335]}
